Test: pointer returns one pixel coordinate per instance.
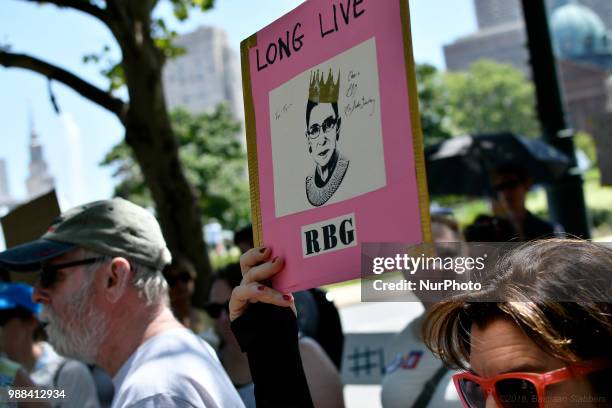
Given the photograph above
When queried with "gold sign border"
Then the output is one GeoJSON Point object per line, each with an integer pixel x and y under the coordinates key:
{"type": "Point", "coordinates": [415, 119]}
{"type": "Point", "coordinates": [251, 137]}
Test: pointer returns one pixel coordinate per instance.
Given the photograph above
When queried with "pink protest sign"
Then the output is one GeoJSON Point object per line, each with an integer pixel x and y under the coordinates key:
{"type": "Point", "coordinates": [333, 134]}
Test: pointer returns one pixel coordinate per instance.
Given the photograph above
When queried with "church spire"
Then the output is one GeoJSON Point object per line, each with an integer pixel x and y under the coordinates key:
{"type": "Point", "coordinates": [33, 134]}
{"type": "Point", "coordinates": [39, 180]}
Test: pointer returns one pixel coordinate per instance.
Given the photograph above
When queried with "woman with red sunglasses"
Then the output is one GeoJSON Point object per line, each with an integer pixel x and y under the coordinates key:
{"type": "Point", "coordinates": [539, 336]}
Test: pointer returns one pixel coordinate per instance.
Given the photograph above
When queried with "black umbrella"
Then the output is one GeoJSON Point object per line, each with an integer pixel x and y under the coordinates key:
{"type": "Point", "coordinates": [462, 165]}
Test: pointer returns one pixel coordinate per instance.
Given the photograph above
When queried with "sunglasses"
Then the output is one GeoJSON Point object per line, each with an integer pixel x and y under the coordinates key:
{"type": "Point", "coordinates": [214, 309]}
{"type": "Point", "coordinates": [48, 273]}
{"type": "Point", "coordinates": [174, 280]}
{"type": "Point", "coordinates": [514, 390]}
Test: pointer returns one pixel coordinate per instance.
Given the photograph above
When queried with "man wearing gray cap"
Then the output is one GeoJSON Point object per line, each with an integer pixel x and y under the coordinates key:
{"type": "Point", "coordinates": [106, 301]}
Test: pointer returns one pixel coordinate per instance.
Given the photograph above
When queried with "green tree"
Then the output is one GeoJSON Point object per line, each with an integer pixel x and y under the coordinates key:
{"type": "Point", "coordinates": [585, 142]}
{"type": "Point", "coordinates": [213, 160]}
{"type": "Point", "coordinates": [433, 104]}
{"type": "Point", "coordinates": [491, 97]}
{"type": "Point", "coordinates": [145, 44]}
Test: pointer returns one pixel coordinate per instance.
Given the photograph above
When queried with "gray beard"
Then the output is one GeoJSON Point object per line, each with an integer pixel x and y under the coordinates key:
{"type": "Point", "coordinates": [79, 335]}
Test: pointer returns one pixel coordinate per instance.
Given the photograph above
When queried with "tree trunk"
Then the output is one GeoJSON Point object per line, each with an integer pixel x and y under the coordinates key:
{"type": "Point", "coordinates": [149, 134]}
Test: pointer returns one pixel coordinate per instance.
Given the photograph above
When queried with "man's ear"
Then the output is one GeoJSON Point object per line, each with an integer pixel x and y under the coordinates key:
{"type": "Point", "coordinates": [116, 279]}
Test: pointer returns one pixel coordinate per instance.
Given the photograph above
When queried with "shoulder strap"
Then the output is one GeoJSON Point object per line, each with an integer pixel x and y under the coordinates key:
{"type": "Point", "coordinates": [60, 367]}
{"type": "Point", "coordinates": [429, 388]}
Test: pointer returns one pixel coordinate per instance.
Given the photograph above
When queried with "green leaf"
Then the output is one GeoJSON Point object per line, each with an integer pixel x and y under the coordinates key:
{"type": "Point", "coordinates": [491, 97]}
{"type": "Point", "coordinates": [213, 160]}
{"type": "Point", "coordinates": [164, 39]}
{"type": "Point", "coordinates": [433, 104]}
{"type": "Point", "coordinates": [115, 75]}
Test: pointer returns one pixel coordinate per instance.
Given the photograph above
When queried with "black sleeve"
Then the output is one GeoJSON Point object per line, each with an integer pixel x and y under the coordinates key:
{"type": "Point", "coordinates": [269, 336]}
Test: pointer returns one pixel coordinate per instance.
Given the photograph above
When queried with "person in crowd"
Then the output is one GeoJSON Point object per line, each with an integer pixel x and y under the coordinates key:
{"type": "Point", "coordinates": [181, 275]}
{"type": "Point", "coordinates": [106, 301]}
{"type": "Point", "coordinates": [539, 333]}
{"type": "Point", "coordinates": [19, 322]}
{"type": "Point", "coordinates": [415, 377]}
{"type": "Point", "coordinates": [318, 317]}
{"type": "Point", "coordinates": [13, 376]}
{"type": "Point", "coordinates": [487, 228]}
{"type": "Point", "coordinates": [511, 182]}
{"type": "Point", "coordinates": [322, 376]}
{"type": "Point", "coordinates": [243, 238]}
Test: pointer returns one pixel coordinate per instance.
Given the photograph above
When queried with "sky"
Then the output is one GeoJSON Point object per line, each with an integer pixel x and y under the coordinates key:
{"type": "Point", "coordinates": [76, 140]}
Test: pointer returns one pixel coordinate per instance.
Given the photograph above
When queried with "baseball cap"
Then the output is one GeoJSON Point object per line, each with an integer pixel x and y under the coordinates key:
{"type": "Point", "coordinates": [114, 227]}
{"type": "Point", "coordinates": [13, 295]}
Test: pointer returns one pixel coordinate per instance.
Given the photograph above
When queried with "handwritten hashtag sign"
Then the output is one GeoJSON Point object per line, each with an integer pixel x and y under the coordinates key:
{"type": "Point", "coordinates": [365, 358]}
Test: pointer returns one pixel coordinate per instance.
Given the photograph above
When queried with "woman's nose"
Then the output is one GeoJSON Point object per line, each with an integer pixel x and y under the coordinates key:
{"type": "Point", "coordinates": [491, 402]}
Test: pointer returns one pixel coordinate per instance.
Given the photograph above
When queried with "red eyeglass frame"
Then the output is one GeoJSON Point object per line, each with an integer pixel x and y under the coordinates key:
{"type": "Point", "coordinates": [539, 381]}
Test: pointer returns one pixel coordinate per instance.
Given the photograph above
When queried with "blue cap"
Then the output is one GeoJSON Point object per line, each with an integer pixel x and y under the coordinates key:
{"type": "Point", "coordinates": [14, 295]}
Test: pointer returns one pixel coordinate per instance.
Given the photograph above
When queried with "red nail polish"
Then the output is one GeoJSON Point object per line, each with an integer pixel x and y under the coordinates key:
{"type": "Point", "coordinates": [287, 297]}
{"type": "Point", "coordinates": [261, 288]}
{"type": "Point", "coordinates": [274, 259]}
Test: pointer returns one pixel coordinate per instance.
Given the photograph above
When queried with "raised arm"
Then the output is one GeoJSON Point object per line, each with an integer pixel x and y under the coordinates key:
{"type": "Point", "coordinates": [264, 322]}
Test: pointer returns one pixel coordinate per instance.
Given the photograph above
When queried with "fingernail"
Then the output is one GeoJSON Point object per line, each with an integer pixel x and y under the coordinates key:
{"type": "Point", "coordinates": [274, 259]}
{"type": "Point", "coordinates": [287, 297]}
{"type": "Point", "coordinates": [261, 287]}
{"type": "Point", "coordinates": [262, 250]}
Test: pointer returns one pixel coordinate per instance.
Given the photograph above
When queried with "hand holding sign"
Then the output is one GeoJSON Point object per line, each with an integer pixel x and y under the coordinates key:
{"type": "Point", "coordinates": [257, 267]}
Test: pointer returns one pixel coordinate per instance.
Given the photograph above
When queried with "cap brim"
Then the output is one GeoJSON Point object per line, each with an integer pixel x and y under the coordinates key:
{"type": "Point", "coordinates": [30, 257]}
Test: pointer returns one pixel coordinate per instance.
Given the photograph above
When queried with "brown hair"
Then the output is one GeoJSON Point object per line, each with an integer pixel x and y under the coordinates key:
{"type": "Point", "coordinates": [525, 283]}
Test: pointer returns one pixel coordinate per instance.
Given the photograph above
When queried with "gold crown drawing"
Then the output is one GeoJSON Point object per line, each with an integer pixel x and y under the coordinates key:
{"type": "Point", "coordinates": [322, 91]}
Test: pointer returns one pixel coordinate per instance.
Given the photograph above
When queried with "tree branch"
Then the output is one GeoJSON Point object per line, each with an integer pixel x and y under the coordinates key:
{"type": "Point", "coordinates": [87, 90]}
{"type": "Point", "coordinates": [81, 5]}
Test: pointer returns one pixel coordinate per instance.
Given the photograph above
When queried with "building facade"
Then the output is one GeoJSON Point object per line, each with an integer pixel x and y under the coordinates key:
{"type": "Point", "coordinates": [206, 75]}
{"type": "Point", "coordinates": [585, 94]}
{"type": "Point", "coordinates": [491, 13]}
{"type": "Point", "coordinates": [504, 43]}
{"type": "Point", "coordinates": [582, 43]}
{"type": "Point", "coordinates": [502, 37]}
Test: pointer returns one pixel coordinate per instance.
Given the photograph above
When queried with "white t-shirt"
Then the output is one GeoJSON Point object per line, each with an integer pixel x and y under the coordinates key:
{"type": "Point", "coordinates": [174, 369]}
{"type": "Point", "coordinates": [70, 376]}
{"type": "Point", "coordinates": [412, 365]}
